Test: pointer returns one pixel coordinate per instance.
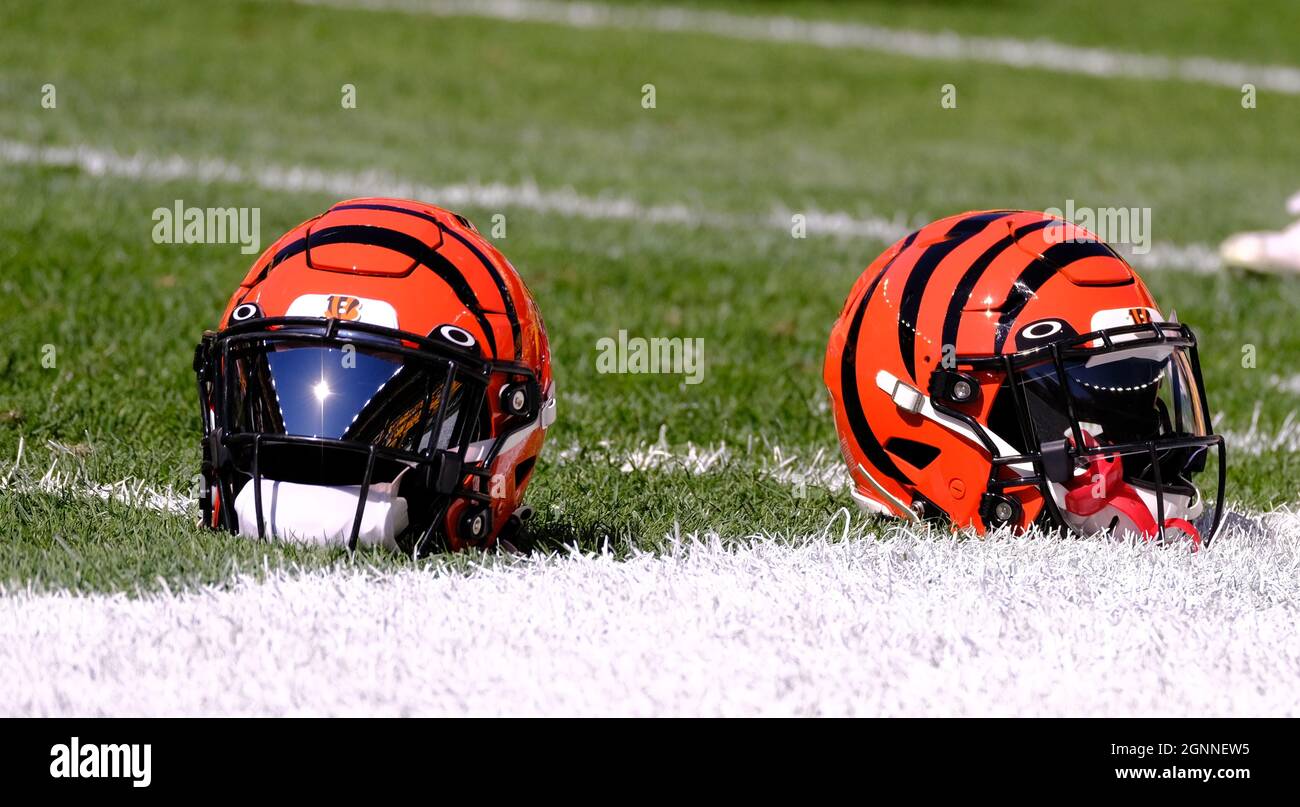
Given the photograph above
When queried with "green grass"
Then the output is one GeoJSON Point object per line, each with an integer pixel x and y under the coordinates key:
{"type": "Point", "coordinates": [740, 128]}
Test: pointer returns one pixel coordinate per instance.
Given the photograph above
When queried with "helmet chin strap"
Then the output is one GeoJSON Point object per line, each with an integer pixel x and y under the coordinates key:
{"type": "Point", "coordinates": [1098, 499]}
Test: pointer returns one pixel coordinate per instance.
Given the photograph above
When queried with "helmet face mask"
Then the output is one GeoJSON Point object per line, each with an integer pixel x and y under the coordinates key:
{"type": "Point", "coordinates": [323, 403]}
{"type": "Point", "coordinates": [344, 430]}
{"type": "Point", "coordinates": [1115, 412]}
{"type": "Point", "coordinates": [1034, 383]}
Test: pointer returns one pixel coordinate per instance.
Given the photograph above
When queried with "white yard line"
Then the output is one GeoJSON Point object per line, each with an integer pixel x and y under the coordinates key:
{"type": "Point", "coordinates": [794, 467]}
{"type": "Point", "coordinates": [915, 625]}
{"type": "Point", "coordinates": [300, 179]}
{"type": "Point", "coordinates": [566, 202]}
{"type": "Point", "coordinates": [1255, 441]}
{"type": "Point", "coordinates": [820, 468]}
{"type": "Point", "coordinates": [1289, 384]}
{"type": "Point", "coordinates": [1035, 54]}
{"type": "Point", "coordinates": [823, 467]}
{"type": "Point", "coordinates": [103, 162]}
{"type": "Point", "coordinates": [57, 481]}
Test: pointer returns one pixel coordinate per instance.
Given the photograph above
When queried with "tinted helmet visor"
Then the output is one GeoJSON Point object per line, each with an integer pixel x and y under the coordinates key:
{"type": "Point", "coordinates": [361, 393]}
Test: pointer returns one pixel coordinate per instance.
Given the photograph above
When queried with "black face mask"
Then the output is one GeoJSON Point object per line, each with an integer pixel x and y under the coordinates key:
{"type": "Point", "coordinates": [1134, 392]}
{"type": "Point", "coordinates": [317, 402]}
{"type": "Point", "coordinates": [1124, 398]}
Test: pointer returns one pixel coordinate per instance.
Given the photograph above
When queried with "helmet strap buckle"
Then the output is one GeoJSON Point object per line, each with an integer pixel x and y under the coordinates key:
{"type": "Point", "coordinates": [447, 474]}
{"type": "Point", "coordinates": [907, 397]}
{"type": "Point", "coordinates": [1057, 465]}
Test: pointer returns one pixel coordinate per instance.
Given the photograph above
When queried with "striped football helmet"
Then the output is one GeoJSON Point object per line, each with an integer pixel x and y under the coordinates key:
{"type": "Point", "coordinates": [1008, 369]}
{"type": "Point", "coordinates": [380, 376]}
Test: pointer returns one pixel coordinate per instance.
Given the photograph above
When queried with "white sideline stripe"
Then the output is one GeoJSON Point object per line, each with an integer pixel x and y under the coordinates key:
{"type": "Point", "coordinates": [1036, 54]}
{"type": "Point", "coordinates": [917, 624]}
{"type": "Point", "coordinates": [564, 202]}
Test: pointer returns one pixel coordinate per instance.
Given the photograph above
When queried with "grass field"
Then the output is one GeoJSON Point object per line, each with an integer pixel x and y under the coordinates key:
{"type": "Point", "coordinates": [663, 222]}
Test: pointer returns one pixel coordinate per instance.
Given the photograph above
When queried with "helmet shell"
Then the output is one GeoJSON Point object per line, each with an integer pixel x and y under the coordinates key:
{"type": "Point", "coordinates": [975, 284]}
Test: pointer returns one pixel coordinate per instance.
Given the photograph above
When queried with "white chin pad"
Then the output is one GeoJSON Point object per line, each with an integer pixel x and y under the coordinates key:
{"type": "Point", "coordinates": [1177, 505]}
{"type": "Point", "coordinates": [1101, 521]}
{"type": "Point", "coordinates": [323, 514]}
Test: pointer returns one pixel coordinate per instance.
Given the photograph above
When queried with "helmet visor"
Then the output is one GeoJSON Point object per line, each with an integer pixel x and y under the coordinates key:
{"type": "Point", "coordinates": [355, 392]}
{"type": "Point", "coordinates": [1145, 398]}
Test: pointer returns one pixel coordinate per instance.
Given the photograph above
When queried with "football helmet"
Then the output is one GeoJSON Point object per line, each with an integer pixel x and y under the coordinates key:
{"type": "Point", "coordinates": [380, 376]}
{"type": "Point", "coordinates": [1006, 368]}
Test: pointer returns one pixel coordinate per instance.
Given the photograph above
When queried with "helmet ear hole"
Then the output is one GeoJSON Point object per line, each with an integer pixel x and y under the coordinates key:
{"type": "Point", "coordinates": [916, 454]}
{"type": "Point", "coordinates": [523, 469]}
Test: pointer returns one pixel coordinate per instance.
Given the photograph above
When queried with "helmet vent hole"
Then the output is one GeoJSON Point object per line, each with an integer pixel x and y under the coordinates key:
{"type": "Point", "coordinates": [916, 454]}
{"type": "Point", "coordinates": [523, 469]}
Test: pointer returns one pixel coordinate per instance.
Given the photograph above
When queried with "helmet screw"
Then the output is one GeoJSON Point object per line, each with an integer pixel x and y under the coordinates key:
{"type": "Point", "coordinates": [515, 399]}
{"type": "Point", "coordinates": [961, 391]}
{"type": "Point", "coordinates": [476, 524]}
{"type": "Point", "coordinates": [999, 510]}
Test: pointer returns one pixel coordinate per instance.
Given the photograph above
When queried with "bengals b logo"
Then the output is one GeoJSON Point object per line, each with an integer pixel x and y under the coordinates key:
{"type": "Point", "coordinates": [1140, 316]}
{"type": "Point", "coordinates": [341, 306]}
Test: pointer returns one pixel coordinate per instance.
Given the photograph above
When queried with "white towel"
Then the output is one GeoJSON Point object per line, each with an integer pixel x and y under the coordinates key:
{"type": "Point", "coordinates": [323, 514]}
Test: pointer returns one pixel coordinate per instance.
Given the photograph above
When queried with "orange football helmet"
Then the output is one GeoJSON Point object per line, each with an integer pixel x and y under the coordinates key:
{"type": "Point", "coordinates": [1006, 368]}
{"type": "Point", "coordinates": [380, 376]}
